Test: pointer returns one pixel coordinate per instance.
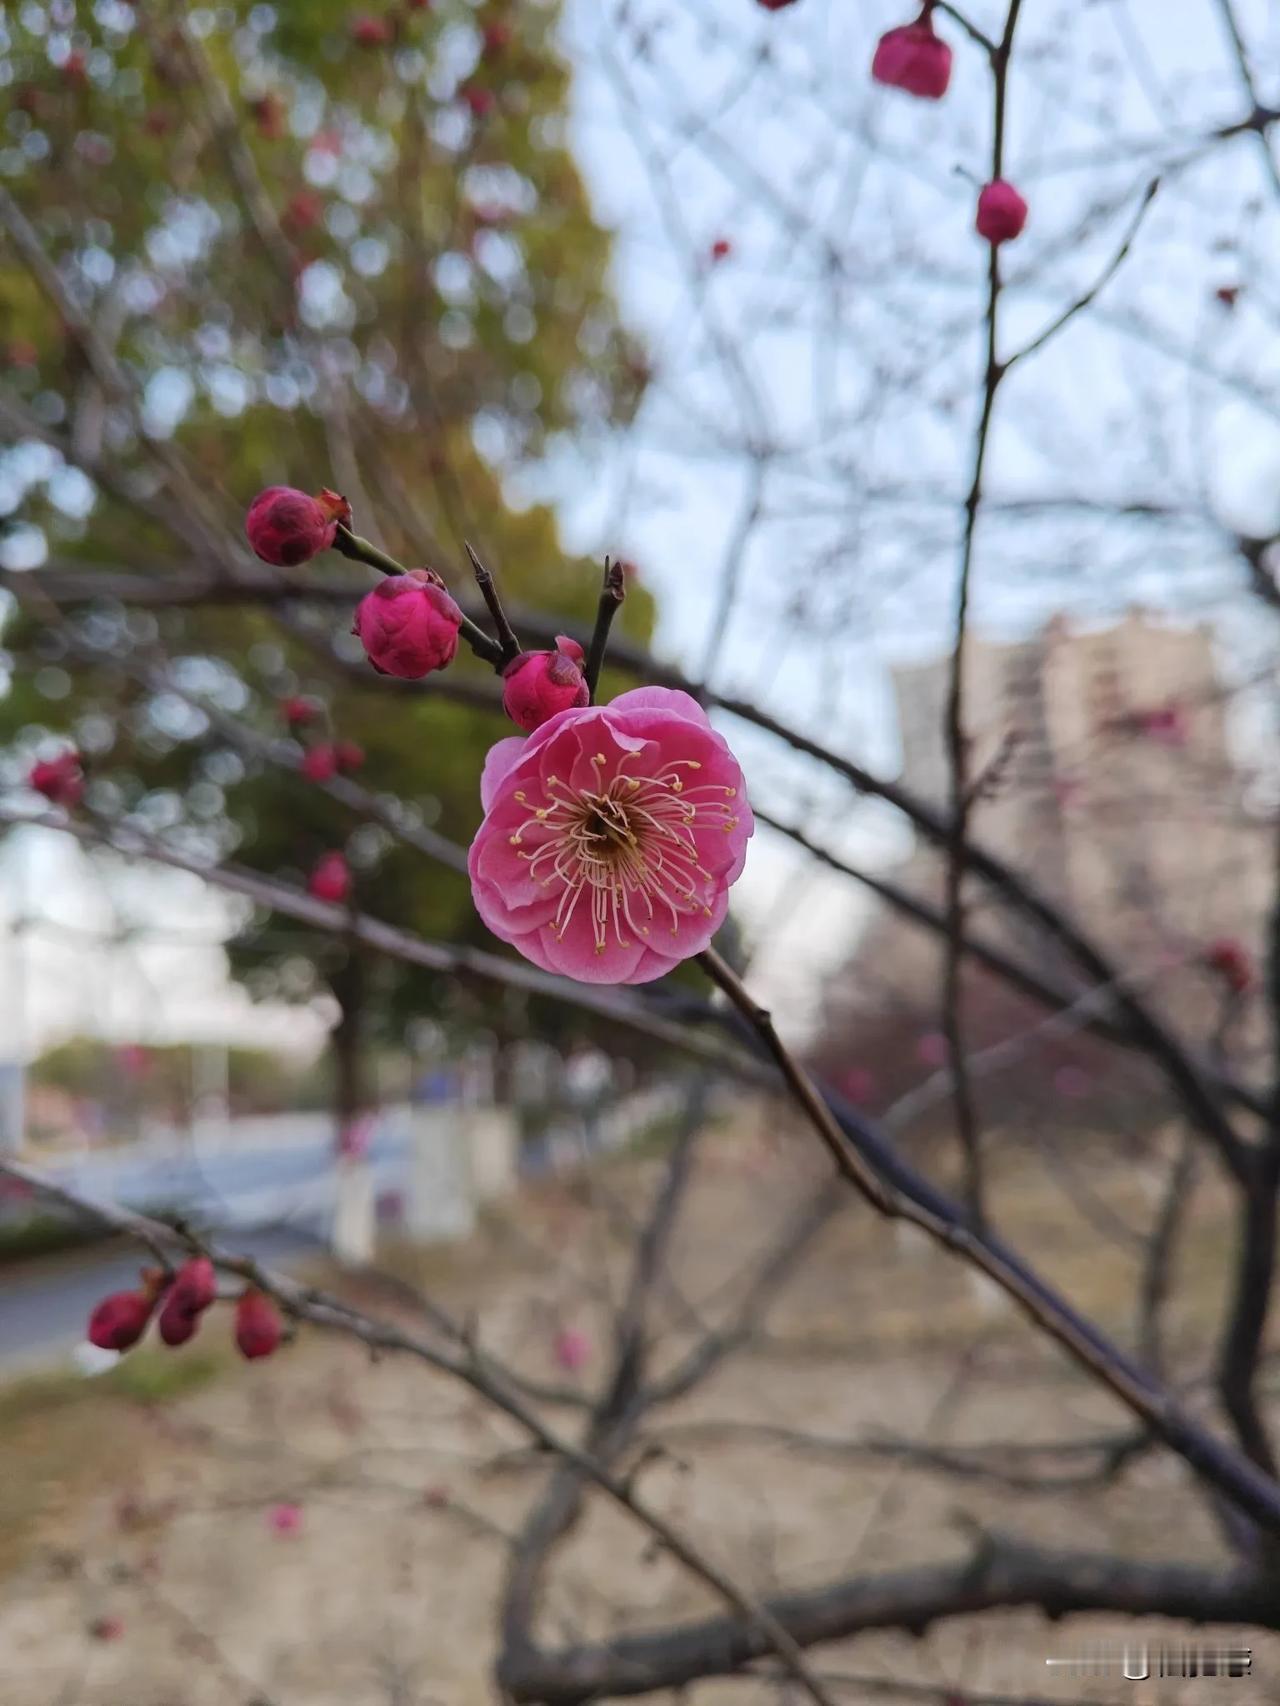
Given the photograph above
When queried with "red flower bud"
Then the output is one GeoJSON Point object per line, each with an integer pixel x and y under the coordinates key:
{"type": "Point", "coordinates": [178, 1321]}
{"type": "Point", "coordinates": [348, 755]}
{"type": "Point", "coordinates": [1230, 959]}
{"type": "Point", "coordinates": [536, 685]}
{"type": "Point", "coordinates": [914, 59]}
{"type": "Point", "coordinates": [721, 249]}
{"type": "Point", "coordinates": [74, 67]}
{"type": "Point", "coordinates": [120, 1320]}
{"type": "Point", "coordinates": [303, 210]}
{"type": "Point", "coordinates": [286, 527]}
{"type": "Point", "coordinates": [1227, 294]}
{"type": "Point", "coordinates": [775, 5]}
{"type": "Point", "coordinates": [372, 32]}
{"type": "Point", "coordinates": [107, 1628]}
{"type": "Point", "coordinates": [1001, 212]}
{"type": "Point", "coordinates": [497, 39]}
{"type": "Point", "coordinates": [480, 101]}
{"type": "Point", "coordinates": [157, 122]}
{"type": "Point", "coordinates": [299, 710]}
{"type": "Point", "coordinates": [330, 879]}
{"type": "Point", "coordinates": [408, 625]}
{"type": "Point", "coordinates": [320, 763]}
{"type": "Point", "coordinates": [195, 1285]}
{"type": "Point", "coordinates": [59, 779]}
{"type": "Point", "coordinates": [258, 1325]}
{"type": "Point", "coordinates": [269, 116]}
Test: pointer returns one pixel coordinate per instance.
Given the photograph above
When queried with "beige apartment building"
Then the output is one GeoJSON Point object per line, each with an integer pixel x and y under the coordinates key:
{"type": "Point", "coordinates": [1113, 785]}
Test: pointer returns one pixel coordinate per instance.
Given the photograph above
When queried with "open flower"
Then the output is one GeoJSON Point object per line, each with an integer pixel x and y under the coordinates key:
{"type": "Point", "coordinates": [535, 685]}
{"type": "Point", "coordinates": [611, 837]}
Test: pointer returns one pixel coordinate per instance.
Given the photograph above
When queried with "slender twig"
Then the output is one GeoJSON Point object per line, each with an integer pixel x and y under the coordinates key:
{"type": "Point", "coordinates": [613, 589]}
{"type": "Point", "coordinates": [507, 640]}
{"type": "Point", "coordinates": [1103, 279]}
{"type": "Point", "coordinates": [485, 1377]}
{"type": "Point", "coordinates": [955, 735]}
{"type": "Point", "coordinates": [1254, 1491]}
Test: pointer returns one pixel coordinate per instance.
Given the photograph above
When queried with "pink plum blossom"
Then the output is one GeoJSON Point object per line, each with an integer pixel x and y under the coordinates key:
{"type": "Point", "coordinates": [572, 1349]}
{"type": "Point", "coordinates": [932, 1049]}
{"type": "Point", "coordinates": [611, 837]}
{"type": "Point", "coordinates": [285, 1519]}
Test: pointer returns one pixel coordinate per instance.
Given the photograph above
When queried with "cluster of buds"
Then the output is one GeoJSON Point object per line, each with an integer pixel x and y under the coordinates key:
{"type": "Point", "coordinates": [409, 625]}
{"type": "Point", "coordinates": [612, 869]}
{"type": "Point", "coordinates": [914, 58]}
{"type": "Point", "coordinates": [180, 1301]}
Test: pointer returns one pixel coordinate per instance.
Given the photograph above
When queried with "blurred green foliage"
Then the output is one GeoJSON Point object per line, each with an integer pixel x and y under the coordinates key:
{"type": "Point", "coordinates": [316, 262]}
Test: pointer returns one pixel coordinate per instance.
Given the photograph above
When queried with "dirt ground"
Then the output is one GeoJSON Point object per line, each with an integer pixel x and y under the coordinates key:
{"type": "Point", "coordinates": [145, 1561]}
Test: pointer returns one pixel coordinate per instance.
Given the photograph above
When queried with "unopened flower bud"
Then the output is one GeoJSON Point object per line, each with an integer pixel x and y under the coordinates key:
{"type": "Point", "coordinates": [536, 685]}
{"type": "Point", "coordinates": [178, 1322]}
{"type": "Point", "coordinates": [195, 1284]}
{"type": "Point", "coordinates": [911, 57]}
{"type": "Point", "coordinates": [348, 755]}
{"type": "Point", "coordinates": [120, 1320]}
{"type": "Point", "coordinates": [372, 32]}
{"type": "Point", "coordinates": [320, 762]}
{"type": "Point", "coordinates": [572, 1349]}
{"type": "Point", "coordinates": [259, 1328]}
{"type": "Point", "coordinates": [299, 710]}
{"type": "Point", "coordinates": [1230, 959]}
{"type": "Point", "coordinates": [286, 527]}
{"type": "Point", "coordinates": [330, 879]}
{"type": "Point", "coordinates": [408, 625]}
{"type": "Point", "coordinates": [480, 101]}
{"type": "Point", "coordinates": [1002, 212]}
{"type": "Point", "coordinates": [60, 779]}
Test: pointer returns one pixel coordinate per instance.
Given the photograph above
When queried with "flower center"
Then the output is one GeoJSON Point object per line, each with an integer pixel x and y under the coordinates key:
{"type": "Point", "coordinates": [625, 846]}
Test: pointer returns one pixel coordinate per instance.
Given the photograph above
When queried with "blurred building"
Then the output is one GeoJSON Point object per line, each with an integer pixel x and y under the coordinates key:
{"type": "Point", "coordinates": [1110, 782]}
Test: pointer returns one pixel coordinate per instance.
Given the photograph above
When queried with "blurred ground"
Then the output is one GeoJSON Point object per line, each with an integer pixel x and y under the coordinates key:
{"type": "Point", "coordinates": [148, 1497]}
